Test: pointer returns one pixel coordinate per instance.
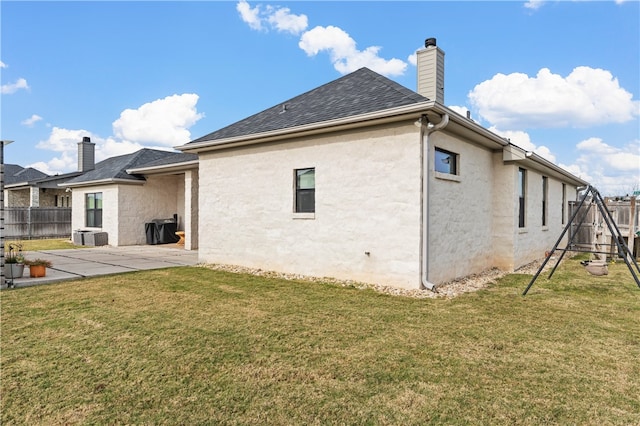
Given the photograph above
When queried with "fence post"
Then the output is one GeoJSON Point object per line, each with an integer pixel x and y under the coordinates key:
{"type": "Point", "coordinates": [29, 223]}
{"type": "Point", "coordinates": [632, 224]}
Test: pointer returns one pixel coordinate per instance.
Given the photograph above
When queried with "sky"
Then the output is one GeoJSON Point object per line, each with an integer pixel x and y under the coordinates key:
{"type": "Point", "coordinates": [560, 78]}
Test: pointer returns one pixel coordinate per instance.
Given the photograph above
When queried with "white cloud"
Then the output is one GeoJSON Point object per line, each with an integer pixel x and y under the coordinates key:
{"type": "Point", "coordinates": [160, 124]}
{"type": "Point", "coordinates": [612, 170]}
{"type": "Point", "coordinates": [341, 47]}
{"type": "Point", "coordinates": [344, 54]}
{"type": "Point", "coordinates": [31, 120]}
{"type": "Point", "coordinates": [163, 122]}
{"type": "Point", "coordinates": [250, 15]}
{"type": "Point", "coordinates": [3, 65]}
{"type": "Point", "coordinates": [585, 97]}
{"type": "Point", "coordinates": [534, 4]}
{"type": "Point", "coordinates": [462, 110]}
{"type": "Point", "coordinates": [523, 140]}
{"type": "Point", "coordinates": [624, 160]}
{"type": "Point", "coordinates": [279, 18]}
{"type": "Point", "coordinates": [283, 20]}
{"type": "Point", "coordinates": [10, 88]}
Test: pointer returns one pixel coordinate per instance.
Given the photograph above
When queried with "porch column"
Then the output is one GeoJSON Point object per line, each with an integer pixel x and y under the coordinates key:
{"type": "Point", "coordinates": [34, 196]}
{"type": "Point", "coordinates": [191, 209]}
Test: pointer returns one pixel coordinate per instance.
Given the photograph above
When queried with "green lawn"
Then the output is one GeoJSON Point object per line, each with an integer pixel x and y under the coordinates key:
{"type": "Point", "coordinates": [196, 346]}
{"type": "Point", "coordinates": [49, 244]}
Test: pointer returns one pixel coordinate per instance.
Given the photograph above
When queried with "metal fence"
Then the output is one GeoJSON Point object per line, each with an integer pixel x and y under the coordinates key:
{"type": "Point", "coordinates": [27, 223]}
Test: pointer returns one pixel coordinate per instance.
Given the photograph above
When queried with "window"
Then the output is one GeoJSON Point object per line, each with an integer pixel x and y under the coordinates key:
{"type": "Point", "coordinates": [522, 178]}
{"type": "Point", "coordinates": [305, 190]}
{"type": "Point", "coordinates": [545, 194]}
{"type": "Point", "coordinates": [564, 202]}
{"type": "Point", "coordinates": [446, 162]}
{"type": "Point", "coordinates": [94, 209]}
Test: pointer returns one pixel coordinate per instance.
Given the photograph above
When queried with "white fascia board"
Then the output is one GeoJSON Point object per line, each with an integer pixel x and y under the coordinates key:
{"type": "Point", "coordinates": [513, 153]}
{"type": "Point", "coordinates": [103, 182]}
{"type": "Point", "coordinates": [387, 115]}
{"type": "Point", "coordinates": [168, 168]}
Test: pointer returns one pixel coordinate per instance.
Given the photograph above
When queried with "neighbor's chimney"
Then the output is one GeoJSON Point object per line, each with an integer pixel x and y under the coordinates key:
{"type": "Point", "coordinates": [431, 71]}
{"type": "Point", "coordinates": [86, 155]}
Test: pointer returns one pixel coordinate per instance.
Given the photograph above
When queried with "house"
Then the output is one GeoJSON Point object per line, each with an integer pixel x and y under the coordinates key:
{"type": "Point", "coordinates": [364, 179]}
{"type": "Point", "coordinates": [28, 187]}
{"type": "Point", "coordinates": [120, 195]}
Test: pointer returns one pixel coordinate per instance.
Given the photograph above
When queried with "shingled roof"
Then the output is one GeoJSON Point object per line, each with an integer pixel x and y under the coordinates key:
{"type": "Point", "coordinates": [360, 92]}
{"type": "Point", "coordinates": [14, 173]}
{"type": "Point", "coordinates": [115, 168]}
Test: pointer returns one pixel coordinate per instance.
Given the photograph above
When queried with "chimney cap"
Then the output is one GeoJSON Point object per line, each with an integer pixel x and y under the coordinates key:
{"type": "Point", "coordinates": [431, 41]}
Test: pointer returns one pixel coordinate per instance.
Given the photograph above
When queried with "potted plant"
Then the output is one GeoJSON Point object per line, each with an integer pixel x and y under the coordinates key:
{"type": "Point", "coordinates": [14, 262]}
{"type": "Point", "coordinates": [38, 267]}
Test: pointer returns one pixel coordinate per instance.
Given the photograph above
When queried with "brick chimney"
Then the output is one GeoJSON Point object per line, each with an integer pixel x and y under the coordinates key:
{"type": "Point", "coordinates": [431, 71]}
{"type": "Point", "coordinates": [86, 155]}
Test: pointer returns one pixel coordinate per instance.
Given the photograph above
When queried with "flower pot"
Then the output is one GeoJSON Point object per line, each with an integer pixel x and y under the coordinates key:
{"type": "Point", "coordinates": [37, 271]}
{"type": "Point", "coordinates": [13, 270]}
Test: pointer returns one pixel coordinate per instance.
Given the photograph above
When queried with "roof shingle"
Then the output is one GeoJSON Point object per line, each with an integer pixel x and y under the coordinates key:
{"type": "Point", "coordinates": [360, 92]}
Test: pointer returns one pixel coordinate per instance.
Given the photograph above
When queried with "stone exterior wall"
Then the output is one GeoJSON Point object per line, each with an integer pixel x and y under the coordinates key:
{"type": "Point", "coordinates": [460, 211]}
{"type": "Point", "coordinates": [366, 224]}
{"type": "Point", "coordinates": [126, 208]}
{"type": "Point", "coordinates": [532, 241]}
{"type": "Point", "coordinates": [18, 198]}
{"type": "Point", "coordinates": [156, 199]}
{"type": "Point", "coordinates": [109, 210]}
{"type": "Point", "coordinates": [44, 198]}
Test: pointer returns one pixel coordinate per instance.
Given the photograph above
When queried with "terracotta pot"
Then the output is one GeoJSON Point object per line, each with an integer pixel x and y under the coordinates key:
{"type": "Point", "coordinates": [37, 271]}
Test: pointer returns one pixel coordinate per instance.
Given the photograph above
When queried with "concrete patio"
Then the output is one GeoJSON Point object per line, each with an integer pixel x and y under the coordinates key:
{"type": "Point", "coordinates": [88, 262]}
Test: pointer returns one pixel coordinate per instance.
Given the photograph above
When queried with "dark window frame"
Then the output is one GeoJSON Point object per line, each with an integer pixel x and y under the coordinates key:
{"type": "Point", "coordinates": [451, 167]}
{"type": "Point", "coordinates": [522, 197]}
{"type": "Point", "coordinates": [564, 203]}
{"type": "Point", "coordinates": [93, 209]}
{"type": "Point", "coordinates": [305, 196]}
{"type": "Point", "coordinates": [545, 200]}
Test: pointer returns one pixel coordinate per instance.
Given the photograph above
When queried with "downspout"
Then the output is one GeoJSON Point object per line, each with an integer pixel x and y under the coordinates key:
{"type": "Point", "coordinates": [425, 131]}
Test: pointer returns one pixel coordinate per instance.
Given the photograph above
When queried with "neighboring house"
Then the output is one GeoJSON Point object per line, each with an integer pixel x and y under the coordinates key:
{"type": "Point", "coordinates": [20, 189]}
{"type": "Point", "coordinates": [364, 179]}
{"type": "Point", "coordinates": [32, 188]}
{"type": "Point", "coordinates": [121, 194]}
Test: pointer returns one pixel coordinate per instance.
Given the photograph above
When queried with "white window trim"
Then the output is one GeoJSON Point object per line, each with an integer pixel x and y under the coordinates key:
{"type": "Point", "coordinates": [447, 176]}
{"type": "Point", "coordinates": [306, 216]}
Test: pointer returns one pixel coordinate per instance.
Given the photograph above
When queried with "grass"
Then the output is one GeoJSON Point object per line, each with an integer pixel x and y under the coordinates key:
{"type": "Point", "coordinates": [196, 346]}
{"type": "Point", "coordinates": [49, 244]}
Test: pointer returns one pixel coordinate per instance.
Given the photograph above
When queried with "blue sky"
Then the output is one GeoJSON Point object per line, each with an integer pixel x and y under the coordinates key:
{"type": "Point", "coordinates": [561, 78]}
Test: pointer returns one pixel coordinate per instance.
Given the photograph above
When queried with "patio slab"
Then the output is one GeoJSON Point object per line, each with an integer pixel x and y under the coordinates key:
{"type": "Point", "coordinates": [73, 264]}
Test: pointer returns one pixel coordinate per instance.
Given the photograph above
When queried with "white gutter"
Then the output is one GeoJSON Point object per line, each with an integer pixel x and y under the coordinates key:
{"type": "Point", "coordinates": [557, 169]}
{"type": "Point", "coordinates": [425, 132]}
{"type": "Point", "coordinates": [387, 115]}
{"type": "Point", "coordinates": [102, 182]}
{"type": "Point", "coordinates": [165, 168]}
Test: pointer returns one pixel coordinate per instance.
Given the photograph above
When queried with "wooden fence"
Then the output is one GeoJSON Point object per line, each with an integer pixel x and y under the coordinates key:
{"type": "Point", "coordinates": [28, 223]}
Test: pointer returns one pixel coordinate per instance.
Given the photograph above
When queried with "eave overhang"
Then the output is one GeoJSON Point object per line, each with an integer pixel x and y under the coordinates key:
{"type": "Point", "coordinates": [431, 109]}
{"type": "Point", "coordinates": [103, 182]}
{"type": "Point", "coordinates": [531, 160]}
{"type": "Point", "coordinates": [165, 169]}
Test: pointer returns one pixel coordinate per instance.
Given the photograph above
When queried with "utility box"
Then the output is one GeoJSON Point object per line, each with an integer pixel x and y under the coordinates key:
{"type": "Point", "coordinates": [90, 238]}
{"type": "Point", "coordinates": [78, 237]}
{"type": "Point", "coordinates": [96, 239]}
